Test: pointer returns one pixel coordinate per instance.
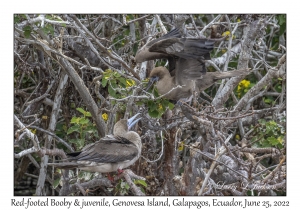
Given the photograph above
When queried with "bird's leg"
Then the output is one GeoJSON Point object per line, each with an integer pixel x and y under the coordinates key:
{"type": "Point", "coordinates": [119, 171]}
{"type": "Point", "coordinates": [194, 97]}
{"type": "Point", "coordinates": [189, 100]}
{"type": "Point", "coordinates": [110, 178]}
{"type": "Point", "coordinates": [185, 100]}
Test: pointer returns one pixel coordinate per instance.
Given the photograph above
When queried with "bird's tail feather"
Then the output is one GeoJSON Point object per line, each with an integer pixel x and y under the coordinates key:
{"type": "Point", "coordinates": [66, 165]}
{"type": "Point", "coordinates": [228, 74]}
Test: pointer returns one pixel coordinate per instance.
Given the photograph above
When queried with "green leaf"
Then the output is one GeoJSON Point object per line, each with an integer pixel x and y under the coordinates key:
{"type": "Point", "coordinates": [281, 19]}
{"type": "Point", "coordinates": [81, 143]}
{"type": "Point", "coordinates": [78, 142]}
{"type": "Point", "coordinates": [140, 182]}
{"type": "Point", "coordinates": [123, 86]}
{"type": "Point", "coordinates": [56, 183]}
{"type": "Point", "coordinates": [27, 31]}
{"type": "Point", "coordinates": [153, 113]}
{"type": "Point", "coordinates": [45, 30]}
{"type": "Point", "coordinates": [96, 134]}
{"type": "Point", "coordinates": [122, 81]}
{"type": "Point", "coordinates": [139, 103]}
{"type": "Point", "coordinates": [151, 105]}
{"type": "Point", "coordinates": [165, 103]}
{"type": "Point", "coordinates": [84, 121]}
{"type": "Point", "coordinates": [268, 101]}
{"type": "Point", "coordinates": [75, 120]}
{"type": "Point", "coordinates": [91, 129]}
{"type": "Point", "coordinates": [113, 102]}
{"type": "Point", "coordinates": [278, 88]}
{"type": "Point", "coordinates": [27, 28]}
{"type": "Point", "coordinates": [265, 143]}
{"type": "Point", "coordinates": [171, 105]}
{"type": "Point", "coordinates": [156, 94]}
{"type": "Point", "coordinates": [116, 74]}
{"type": "Point", "coordinates": [113, 83]}
{"type": "Point", "coordinates": [112, 92]}
{"type": "Point", "coordinates": [75, 128]}
{"type": "Point", "coordinates": [50, 29]}
{"type": "Point", "coordinates": [127, 186]}
{"type": "Point", "coordinates": [282, 24]}
{"type": "Point", "coordinates": [104, 82]}
{"type": "Point", "coordinates": [81, 174]}
{"type": "Point", "coordinates": [280, 139]}
{"type": "Point", "coordinates": [81, 110]}
{"type": "Point", "coordinates": [130, 17]}
{"type": "Point", "coordinates": [16, 19]}
{"type": "Point", "coordinates": [49, 17]}
{"type": "Point", "coordinates": [85, 175]}
{"type": "Point", "coordinates": [272, 140]}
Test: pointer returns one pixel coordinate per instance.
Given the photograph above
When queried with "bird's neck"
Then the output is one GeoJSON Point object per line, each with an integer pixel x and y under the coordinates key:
{"type": "Point", "coordinates": [120, 132]}
{"type": "Point", "coordinates": [134, 138]}
{"type": "Point", "coordinates": [167, 79]}
{"type": "Point", "coordinates": [165, 84]}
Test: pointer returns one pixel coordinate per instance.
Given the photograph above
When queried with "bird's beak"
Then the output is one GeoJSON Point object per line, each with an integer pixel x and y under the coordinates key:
{"type": "Point", "coordinates": [131, 122]}
{"type": "Point", "coordinates": [151, 82]}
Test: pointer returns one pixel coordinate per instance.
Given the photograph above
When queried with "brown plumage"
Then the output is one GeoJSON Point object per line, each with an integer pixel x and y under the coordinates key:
{"type": "Point", "coordinates": [110, 153]}
{"type": "Point", "coordinates": [170, 85]}
{"type": "Point", "coordinates": [165, 83]}
{"type": "Point", "coordinates": [178, 51]}
{"type": "Point", "coordinates": [186, 57]}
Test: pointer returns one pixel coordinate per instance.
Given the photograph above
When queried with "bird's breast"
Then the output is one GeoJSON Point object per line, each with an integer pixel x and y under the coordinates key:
{"type": "Point", "coordinates": [173, 91]}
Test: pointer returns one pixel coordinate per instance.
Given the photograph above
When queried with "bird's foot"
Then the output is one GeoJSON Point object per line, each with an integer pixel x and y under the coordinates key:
{"type": "Point", "coordinates": [185, 100]}
{"type": "Point", "coordinates": [120, 171]}
{"type": "Point", "coordinates": [110, 178]}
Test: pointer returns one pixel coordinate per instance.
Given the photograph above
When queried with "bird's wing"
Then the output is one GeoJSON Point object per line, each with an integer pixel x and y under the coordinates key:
{"type": "Point", "coordinates": [197, 48]}
{"type": "Point", "coordinates": [188, 48]}
{"type": "Point", "coordinates": [190, 54]}
{"type": "Point", "coordinates": [188, 69]}
{"type": "Point", "coordinates": [170, 46]}
{"type": "Point", "coordinates": [110, 149]}
{"type": "Point", "coordinates": [144, 54]}
{"type": "Point", "coordinates": [172, 34]}
{"type": "Point", "coordinates": [66, 165]}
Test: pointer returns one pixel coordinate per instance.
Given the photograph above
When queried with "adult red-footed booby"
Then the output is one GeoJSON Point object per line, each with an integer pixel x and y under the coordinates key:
{"type": "Point", "coordinates": [111, 153]}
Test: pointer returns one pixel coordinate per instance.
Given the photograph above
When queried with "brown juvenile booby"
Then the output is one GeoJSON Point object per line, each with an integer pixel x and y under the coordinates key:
{"type": "Point", "coordinates": [111, 153]}
{"type": "Point", "coordinates": [168, 85]}
{"type": "Point", "coordinates": [186, 57]}
{"type": "Point", "coordinates": [179, 52]}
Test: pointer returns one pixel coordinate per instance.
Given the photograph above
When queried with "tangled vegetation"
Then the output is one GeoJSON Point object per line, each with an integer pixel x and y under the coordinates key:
{"type": "Point", "coordinates": [75, 76]}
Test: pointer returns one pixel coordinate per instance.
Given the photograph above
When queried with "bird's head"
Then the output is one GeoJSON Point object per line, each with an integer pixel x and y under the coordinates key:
{"type": "Point", "coordinates": [157, 74]}
{"type": "Point", "coordinates": [123, 126]}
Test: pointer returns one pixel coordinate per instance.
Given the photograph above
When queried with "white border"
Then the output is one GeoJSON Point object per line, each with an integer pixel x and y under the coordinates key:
{"type": "Point", "coordinates": [8, 8]}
